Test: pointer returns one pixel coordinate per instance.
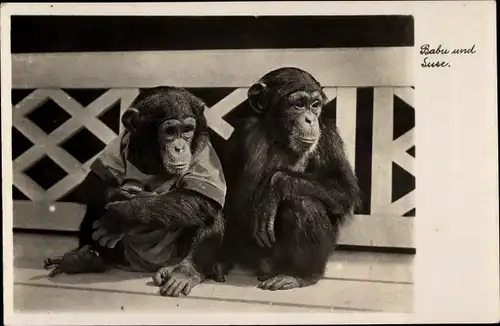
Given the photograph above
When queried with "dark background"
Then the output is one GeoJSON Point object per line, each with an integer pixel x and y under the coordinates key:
{"type": "Point", "coordinates": [92, 33]}
{"type": "Point", "coordinates": [139, 33]}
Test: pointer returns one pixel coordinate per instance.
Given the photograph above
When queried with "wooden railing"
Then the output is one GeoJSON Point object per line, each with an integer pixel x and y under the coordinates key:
{"type": "Point", "coordinates": [339, 70]}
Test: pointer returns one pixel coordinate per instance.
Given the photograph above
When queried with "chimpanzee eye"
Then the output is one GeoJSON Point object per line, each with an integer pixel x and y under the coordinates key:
{"type": "Point", "coordinates": [316, 105]}
{"type": "Point", "coordinates": [300, 104]}
{"type": "Point", "coordinates": [188, 130]}
{"type": "Point", "coordinates": [169, 131]}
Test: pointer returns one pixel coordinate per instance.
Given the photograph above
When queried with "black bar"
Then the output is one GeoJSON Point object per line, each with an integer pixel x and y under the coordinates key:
{"type": "Point", "coordinates": [149, 33]}
{"type": "Point", "coordinates": [364, 145]}
{"type": "Point", "coordinates": [392, 250]}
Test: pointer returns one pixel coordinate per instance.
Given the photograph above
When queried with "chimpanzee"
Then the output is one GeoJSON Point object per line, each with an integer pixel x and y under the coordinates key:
{"type": "Point", "coordinates": [154, 196]}
{"type": "Point", "coordinates": [290, 186]}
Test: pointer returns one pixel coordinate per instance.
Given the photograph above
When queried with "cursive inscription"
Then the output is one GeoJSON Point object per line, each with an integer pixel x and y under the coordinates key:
{"type": "Point", "coordinates": [438, 56]}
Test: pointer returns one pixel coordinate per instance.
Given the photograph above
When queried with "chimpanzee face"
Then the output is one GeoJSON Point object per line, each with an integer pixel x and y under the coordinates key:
{"type": "Point", "coordinates": [300, 112]}
{"type": "Point", "coordinates": [289, 100]}
{"type": "Point", "coordinates": [168, 122]}
{"type": "Point", "coordinates": [174, 138]}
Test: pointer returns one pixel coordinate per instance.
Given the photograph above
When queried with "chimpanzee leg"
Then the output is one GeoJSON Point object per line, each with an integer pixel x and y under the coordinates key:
{"type": "Point", "coordinates": [225, 260]}
{"type": "Point", "coordinates": [85, 259]}
{"type": "Point", "coordinates": [304, 240]}
{"type": "Point", "coordinates": [199, 262]}
{"type": "Point", "coordinates": [85, 231]}
{"type": "Point", "coordinates": [238, 239]}
{"type": "Point", "coordinates": [89, 256]}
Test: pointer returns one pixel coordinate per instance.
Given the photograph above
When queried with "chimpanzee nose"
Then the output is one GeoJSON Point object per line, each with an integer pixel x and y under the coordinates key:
{"type": "Point", "coordinates": [309, 118]}
{"type": "Point", "coordinates": [179, 148]}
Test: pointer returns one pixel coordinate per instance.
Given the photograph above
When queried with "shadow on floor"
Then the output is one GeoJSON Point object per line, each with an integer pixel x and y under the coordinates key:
{"type": "Point", "coordinates": [240, 279]}
{"type": "Point", "coordinates": [91, 278]}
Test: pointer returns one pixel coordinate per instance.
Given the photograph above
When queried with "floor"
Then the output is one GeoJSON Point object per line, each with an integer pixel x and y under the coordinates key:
{"type": "Point", "coordinates": [355, 281]}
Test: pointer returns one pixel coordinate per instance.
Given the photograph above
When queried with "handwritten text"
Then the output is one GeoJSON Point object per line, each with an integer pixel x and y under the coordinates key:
{"type": "Point", "coordinates": [428, 52]}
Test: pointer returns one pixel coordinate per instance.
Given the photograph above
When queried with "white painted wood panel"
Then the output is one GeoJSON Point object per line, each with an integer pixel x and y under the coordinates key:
{"type": "Point", "coordinates": [356, 67]}
{"type": "Point", "coordinates": [346, 120]}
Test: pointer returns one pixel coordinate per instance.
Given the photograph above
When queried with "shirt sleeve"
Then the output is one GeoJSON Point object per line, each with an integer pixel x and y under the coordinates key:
{"type": "Point", "coordinates": [206, 176]}
{"type": "Point", "coordinates": [110, 164]}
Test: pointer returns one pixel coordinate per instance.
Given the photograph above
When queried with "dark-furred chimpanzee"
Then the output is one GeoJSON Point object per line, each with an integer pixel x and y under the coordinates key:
{"type": "Point", "coordinates": [290, 186]}
{"type": "Point", "coordinates": [154, 196]}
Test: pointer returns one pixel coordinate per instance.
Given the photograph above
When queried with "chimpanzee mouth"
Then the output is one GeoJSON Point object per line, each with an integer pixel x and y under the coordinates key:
{"type": "Point", "coordinates": [178, 166]}
{"type": "Point", "coordinates": [308, 140]}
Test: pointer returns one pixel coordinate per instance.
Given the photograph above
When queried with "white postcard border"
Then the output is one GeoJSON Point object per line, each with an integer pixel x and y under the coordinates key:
{"type": "Point", "coordinates": [457, 267]}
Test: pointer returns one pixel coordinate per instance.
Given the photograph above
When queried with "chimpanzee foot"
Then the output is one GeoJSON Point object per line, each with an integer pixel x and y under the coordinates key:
{"type": "Point", "coordinates": [280, 282]}
{"type": "Point", "coordinates": [286, 282]}
{"type": "Point", "coordinates": [219, 272]}
{"type": "Point", "coordinates": [82, 260]}
{"type": "Point", "coordinates": [178, 279]}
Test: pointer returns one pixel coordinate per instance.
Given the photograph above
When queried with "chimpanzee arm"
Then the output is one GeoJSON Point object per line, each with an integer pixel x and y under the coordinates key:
{"type": "Point", "coordinates": [179, 208]}
{"type": "Point", "coordinates": [329, 180]}
{"type": "Point", "coordinates": [95, 192]}
{"type": "Point", "coordinates": [339, 193]}
{"type": "Point", "coordinates": [335, 186]}
{"type": "Point", "coordinates": [338, 197]}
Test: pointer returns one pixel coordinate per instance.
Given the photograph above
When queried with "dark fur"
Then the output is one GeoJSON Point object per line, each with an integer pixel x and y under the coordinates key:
{"type": "Point", "coordinates": [199, 218]}
{"type": "Point", "coordinates": [313, 199]}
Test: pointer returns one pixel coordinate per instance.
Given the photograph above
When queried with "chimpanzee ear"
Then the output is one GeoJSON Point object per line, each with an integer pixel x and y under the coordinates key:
{"type": "Point", "coordinates": [204, 110]}
{"type": "Point", "coordinates": [200, 108]}
{"type": "Point", "coordinates": [258, 97]}
{"type": "Point", "coordinates": [131, 119]}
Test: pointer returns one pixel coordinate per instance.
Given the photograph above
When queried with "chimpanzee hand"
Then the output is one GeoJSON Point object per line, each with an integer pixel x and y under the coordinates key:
{"type": "Point", "coordinates": [177, 279]}
{"type": "Point", "coordinates": [121, 210]}
{"type": "Point", "coordinates": [109, 230]}
{"type": "Point", "coordinates": [264, 222]}
{"type": "Point", "coordinates": [129, 210]}
{"type": "Point", "coordinates": [105, 237]}
{"type": "Point", "coordinates": [278, 184]}
{"type": "Point", "coordinates": [127, 192]}
{"type": "Point", "coordinates": [118, 194]}
{"type": "Point", "coordinates": [266, 211]}
{"type": "Point", "coordinates": [134, 191]}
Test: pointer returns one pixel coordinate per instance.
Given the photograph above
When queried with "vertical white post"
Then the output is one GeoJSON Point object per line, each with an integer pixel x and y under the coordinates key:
{"type": "Point", "coordinates": [383, 122]}
{"type": "Point", "coordinates": [346, 120]}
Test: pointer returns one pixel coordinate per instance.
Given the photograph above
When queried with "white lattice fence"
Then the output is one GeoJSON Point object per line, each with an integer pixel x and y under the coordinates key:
{"type": "Point", "coordinates": [385, 149]}
{"type": "Point", "coordinates": [48, 144]}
